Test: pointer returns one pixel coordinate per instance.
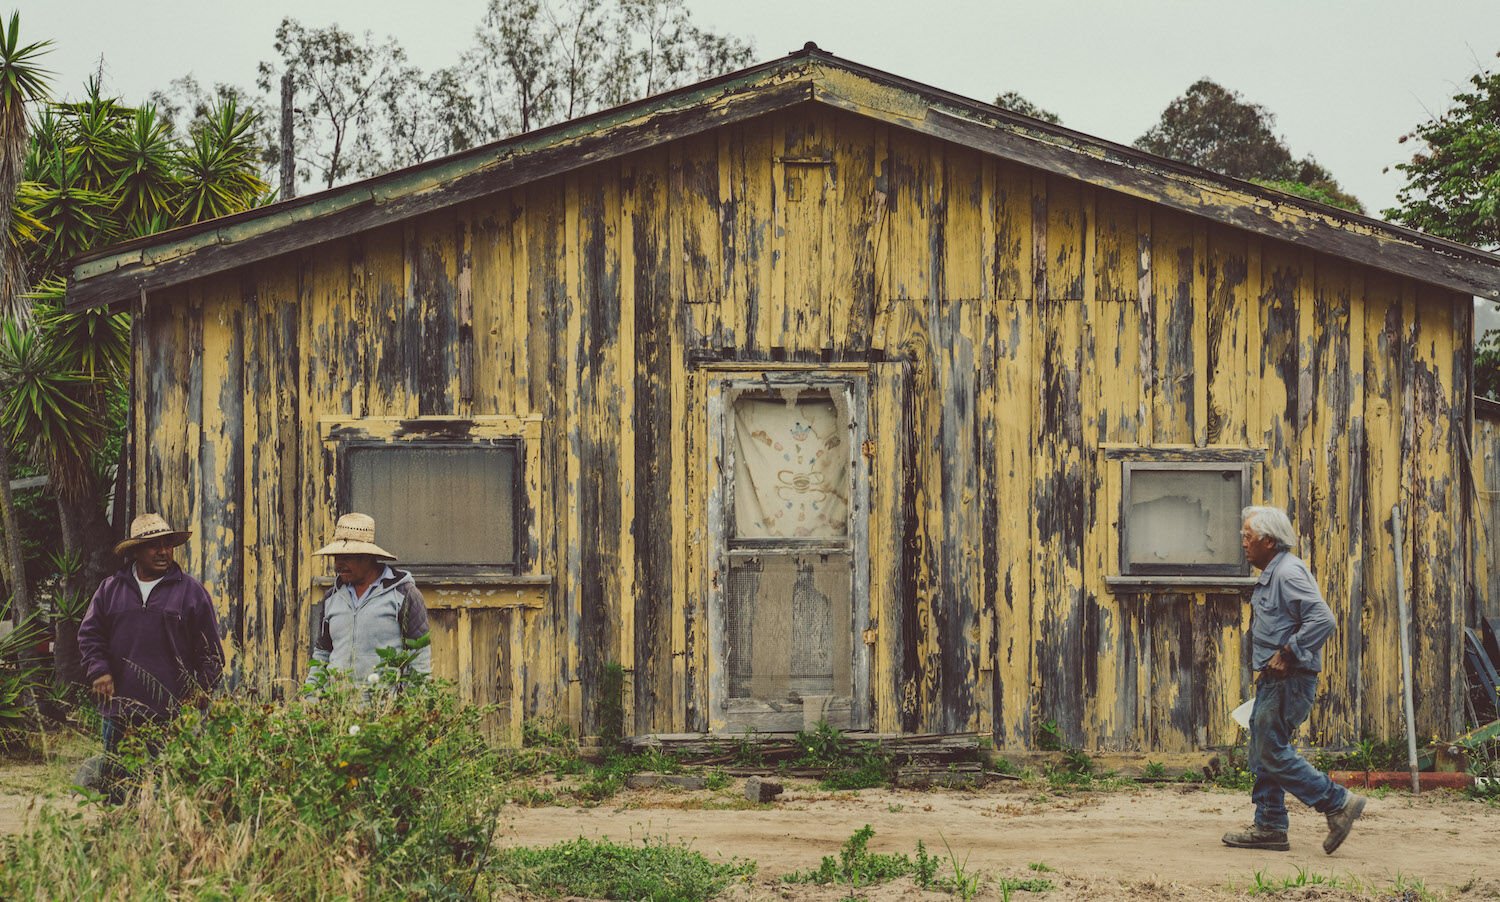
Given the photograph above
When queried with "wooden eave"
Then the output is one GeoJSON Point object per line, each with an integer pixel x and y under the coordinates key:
{"type": "Point", "coordinates": [116, 274]}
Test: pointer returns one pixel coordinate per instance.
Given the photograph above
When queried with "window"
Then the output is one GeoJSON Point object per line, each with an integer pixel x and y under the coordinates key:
{"type": "Point", "coordinates": [442, 505]}
{"type": "Point", "coordinates": [1182, 519]}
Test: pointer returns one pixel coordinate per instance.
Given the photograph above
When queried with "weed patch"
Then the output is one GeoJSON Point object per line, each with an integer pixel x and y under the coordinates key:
{"type": "Point", "coordinates": [654, 870]}
{"type": "Point", "coordinates": [366, 791]}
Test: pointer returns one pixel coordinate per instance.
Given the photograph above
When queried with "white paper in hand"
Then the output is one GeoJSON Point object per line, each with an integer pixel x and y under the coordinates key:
{"type": "Point", "coordinates": [1241, 715]}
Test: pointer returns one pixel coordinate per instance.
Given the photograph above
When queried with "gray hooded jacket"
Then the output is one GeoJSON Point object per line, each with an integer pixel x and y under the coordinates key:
{"type": "Point", "coordinates": [353, 631]}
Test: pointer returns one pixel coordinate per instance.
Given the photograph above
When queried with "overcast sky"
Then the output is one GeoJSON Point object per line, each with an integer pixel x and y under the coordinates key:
{"type": "Point", "coordinates": [1345, 78]}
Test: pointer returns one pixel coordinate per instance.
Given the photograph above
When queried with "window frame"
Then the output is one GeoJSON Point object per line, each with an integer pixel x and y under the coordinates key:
{"type": "Point", "coordinates": [520, 433]}
{"type": "Point", "coordinates": [1119, 462]}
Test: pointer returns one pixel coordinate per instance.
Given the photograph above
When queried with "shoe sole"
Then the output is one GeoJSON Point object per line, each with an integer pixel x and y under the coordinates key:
{"type": "Point", "coordinates": [1332, 843]}
{"type": "Point", "coordinates": [1268, 846]}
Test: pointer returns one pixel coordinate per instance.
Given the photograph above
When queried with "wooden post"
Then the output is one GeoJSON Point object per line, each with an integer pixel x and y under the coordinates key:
{"type": "Point", "coordinates": [288, 140]}
{"type": "Point", "coordinates": [1404, 626]}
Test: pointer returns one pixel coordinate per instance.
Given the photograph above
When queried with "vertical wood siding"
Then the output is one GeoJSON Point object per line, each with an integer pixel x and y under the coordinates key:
{"type": "Point", "coordinates": [1016, 325]}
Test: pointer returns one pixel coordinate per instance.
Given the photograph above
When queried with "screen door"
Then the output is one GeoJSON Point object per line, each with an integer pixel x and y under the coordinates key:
{"type": "Point", "coordinates": [789, 612]}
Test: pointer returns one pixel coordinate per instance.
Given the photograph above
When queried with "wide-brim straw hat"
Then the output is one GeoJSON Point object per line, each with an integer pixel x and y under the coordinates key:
{"type": "Point", "coordinates": [148, 528]}
{"type": "Point", "coordinates": [355, 534]}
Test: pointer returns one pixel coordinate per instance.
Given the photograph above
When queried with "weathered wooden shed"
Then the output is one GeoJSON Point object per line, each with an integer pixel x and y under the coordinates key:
{"type": "Point", "coordinates": [811, 392]}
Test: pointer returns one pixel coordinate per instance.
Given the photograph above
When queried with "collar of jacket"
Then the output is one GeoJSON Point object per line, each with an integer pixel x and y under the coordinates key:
{"type": "Point", "coordinates": [395, 579]}
{"type": "Point", "coordinates": [1265, 575]}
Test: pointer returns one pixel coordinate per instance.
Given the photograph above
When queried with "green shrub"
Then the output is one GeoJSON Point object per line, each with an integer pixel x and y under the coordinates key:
{"type": "Point", "coordinates": [851, 765]}
{"type": "Point", "coordinates": [857, 866]}
{"type": "Point", "coordinates": [655, 870]}
{"type": "Point", "coordinates": [363, 790]}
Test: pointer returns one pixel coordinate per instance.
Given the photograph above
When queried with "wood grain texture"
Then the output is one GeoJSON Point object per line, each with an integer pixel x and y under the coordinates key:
{"type": "Point", "coordinates": [1020, 334]}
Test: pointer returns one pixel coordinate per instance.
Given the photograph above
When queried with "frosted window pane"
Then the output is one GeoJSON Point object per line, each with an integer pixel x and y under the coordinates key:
{"type": "Point", "coordinates": [1184, 517]}
{"type": "Point", "coordinates": [791, 468]}
{"type": "Point", "coordinates": [438, 506]}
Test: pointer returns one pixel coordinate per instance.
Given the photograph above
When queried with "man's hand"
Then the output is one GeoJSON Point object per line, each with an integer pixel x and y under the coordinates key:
{"type": "Point", "coordinates": [1280, 663]}
{"type": "Point", "coordinates": [104, 687]}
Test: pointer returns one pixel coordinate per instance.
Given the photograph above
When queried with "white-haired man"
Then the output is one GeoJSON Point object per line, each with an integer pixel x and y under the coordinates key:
{"type": "Point", "coordinates": [1290, 622]}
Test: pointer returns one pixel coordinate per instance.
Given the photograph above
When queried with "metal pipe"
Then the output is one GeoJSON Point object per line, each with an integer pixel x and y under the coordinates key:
{"type": "Point", "coordinates": [1411, 726]}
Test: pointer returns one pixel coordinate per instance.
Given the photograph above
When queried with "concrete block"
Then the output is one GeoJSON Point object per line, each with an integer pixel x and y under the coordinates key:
{"type": "Point", "coordinates": [760, 790]}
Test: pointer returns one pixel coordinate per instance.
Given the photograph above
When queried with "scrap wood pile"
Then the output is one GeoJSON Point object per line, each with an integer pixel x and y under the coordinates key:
{"type": "Point", "coordinates": [754, 754]}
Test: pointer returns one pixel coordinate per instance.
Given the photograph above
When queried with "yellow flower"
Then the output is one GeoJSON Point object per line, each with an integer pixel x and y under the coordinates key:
{"type": "Point", "coordinates": [343, 764]}
{"type": "Point", "coordinates": [353, 782]}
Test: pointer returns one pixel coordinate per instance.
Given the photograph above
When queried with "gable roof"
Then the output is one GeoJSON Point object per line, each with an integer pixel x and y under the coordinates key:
{"type": "Point", "coordinates": [118, 273]}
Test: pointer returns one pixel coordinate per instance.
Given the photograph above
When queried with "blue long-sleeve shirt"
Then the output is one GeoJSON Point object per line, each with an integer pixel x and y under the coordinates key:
{"type": "Point", "coordinates": [1288, 610]}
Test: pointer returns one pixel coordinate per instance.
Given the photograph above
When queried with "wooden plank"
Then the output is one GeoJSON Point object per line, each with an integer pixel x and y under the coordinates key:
{"type": "Point", "coordinates": [216, 532]}
{"type": "Point", "coordinates": [1436, 489]}
{"type": "Point", "coordinates": [1011, 210]}
{"type": "Point", "coordinates": [1331, 488]}
{"type": "Point", "coordinates": [1067, 226]}
{"type": "Point", "coordinates": [804, 191]}
{"type": "Point", "coordinates": [1278, 386]}
{"type": "Point", "coordinates": [1174, 265]}
{"type": "Point", "coordinates": [1227, 324]}
{"type": "Point", "coordinates": [645, 245]}
{"type": "Point", "coordinates": [913, 184]}
{"type": "Point", "coordinates": [889, 467]}
{"type": "Point", "coordinates": [1386, 460]}
{"type": "Point", "coordinates": [856, 219]}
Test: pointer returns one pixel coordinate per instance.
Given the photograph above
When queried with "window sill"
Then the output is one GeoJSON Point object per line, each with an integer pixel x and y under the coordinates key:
{"type": "Point", "coordinates": [1126, 585]}
{"type": "Point", "coordinates": [476, 578]}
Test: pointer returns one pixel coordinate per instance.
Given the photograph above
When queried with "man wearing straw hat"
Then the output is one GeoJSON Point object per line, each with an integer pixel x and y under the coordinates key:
{"type": "Point", "coordinates": [371, 606]}
{"type": "Point", "coordinates": [149, 639]}
{"type": "Point", "coordinates": [1289, 623]}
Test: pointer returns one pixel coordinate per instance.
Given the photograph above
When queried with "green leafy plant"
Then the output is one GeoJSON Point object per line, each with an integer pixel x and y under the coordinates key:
{"type": "Point", "coordinates": [358, 790]}
{"type": "Point", "coordinates": [856, 866]}
{"type": "Point", "coordinates": [611, 706]}
{"type": "Point", "coordinates": [1155, 770]}
{"type": "Point", "coordinates": [851, 765]}
{"type": "Point", "coordinates": [653, 870]}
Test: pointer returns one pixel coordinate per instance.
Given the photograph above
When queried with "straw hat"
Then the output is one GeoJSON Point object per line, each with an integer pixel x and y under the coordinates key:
{"type": "Point", "coordinates": [355, 534]}
{"type": "Point", "coordinates": [148, 528]}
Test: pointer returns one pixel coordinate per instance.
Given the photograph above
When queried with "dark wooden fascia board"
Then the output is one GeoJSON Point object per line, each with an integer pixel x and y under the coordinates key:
{"type": "Point", "coordinates": [1485, 409]}
{"type": "Point", "coordinates": [1357, 239]}
{"type": "Point", "coordinates": [120, 275]}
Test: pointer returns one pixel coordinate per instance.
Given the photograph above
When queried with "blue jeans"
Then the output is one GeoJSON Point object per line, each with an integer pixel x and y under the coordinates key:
{"type": "Point", "coordinates": [1281, 705]}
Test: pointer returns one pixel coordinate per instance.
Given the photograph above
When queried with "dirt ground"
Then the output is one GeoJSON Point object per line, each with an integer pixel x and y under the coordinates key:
{"type": "Point", "coordinates": [1148, 843]}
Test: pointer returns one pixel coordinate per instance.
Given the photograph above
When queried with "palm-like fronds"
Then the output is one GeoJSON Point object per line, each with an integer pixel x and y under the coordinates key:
{"type": "Point", "coordinates": [75, 216]}
{"type": "Point", "coordinates": [94, 145]}
{"type": "Point", "coordinates": [94, 343]}
{"type": "Point", "coordinates": [217, 169]}
{"type": "Point", "coordinates": [146, 184]}
{"type": "Point", "coordinates": [21, 83]}
{"type": "Point", "coordinates": [38, 392]}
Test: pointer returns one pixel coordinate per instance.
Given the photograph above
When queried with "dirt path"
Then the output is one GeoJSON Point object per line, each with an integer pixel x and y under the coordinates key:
{"type": "Point", "coordinates": [1150, 843]}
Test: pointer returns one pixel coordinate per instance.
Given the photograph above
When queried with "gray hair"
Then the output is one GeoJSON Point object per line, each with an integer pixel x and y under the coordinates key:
{"type": "Point", "coordinates": [1271, 523]}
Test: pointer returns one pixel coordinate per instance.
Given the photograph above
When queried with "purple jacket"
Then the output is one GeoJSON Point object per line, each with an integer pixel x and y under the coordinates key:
{"type": "Point", "coordinates": [157, 652]}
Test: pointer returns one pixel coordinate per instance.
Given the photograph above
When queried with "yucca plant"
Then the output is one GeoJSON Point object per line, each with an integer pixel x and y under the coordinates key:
{"type": "Point", "coordinates": [22, 83]}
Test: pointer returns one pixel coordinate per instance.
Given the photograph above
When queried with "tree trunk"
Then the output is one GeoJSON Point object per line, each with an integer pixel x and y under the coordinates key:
{"type": "Point", "coordinates": [86, 533]}
{"type": "Point", "coordinates": [15, 565]}
{"type": "Point", "coordinates": [288, 140]}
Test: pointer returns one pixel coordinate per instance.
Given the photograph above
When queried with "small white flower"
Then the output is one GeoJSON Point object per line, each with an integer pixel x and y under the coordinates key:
{"type": "Point", "coordinates": [354, 730]}
{"type": "Point", "coordinates": [374, 677]}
